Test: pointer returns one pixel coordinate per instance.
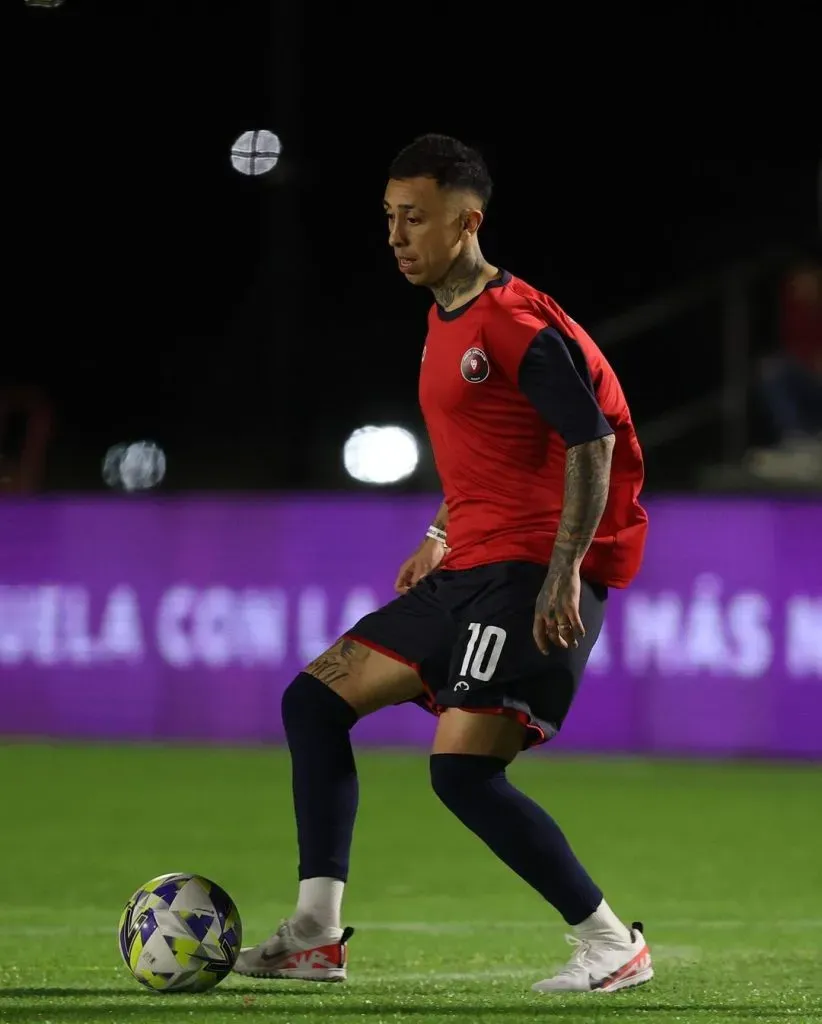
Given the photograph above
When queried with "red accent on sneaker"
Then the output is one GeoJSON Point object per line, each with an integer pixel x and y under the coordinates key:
{"type": "Point", "coordinates": [318, 958]}
{"type": "Point", "coordinates": [634, 966]}
{"type": "Point", "coordinates": [321, 958]}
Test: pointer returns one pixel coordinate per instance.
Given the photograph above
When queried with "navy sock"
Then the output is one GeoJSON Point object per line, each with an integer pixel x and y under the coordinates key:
{"type": "Point", "coordinates": [518, 831]}
{"type": "Point", "coordinates": [323, 775]}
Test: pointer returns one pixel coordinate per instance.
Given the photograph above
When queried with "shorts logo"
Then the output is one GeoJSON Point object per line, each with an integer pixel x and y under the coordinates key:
{"type": "Point", "coordinates": [461, 686]}
{"type": "Point", "coordinates": [475, 366]}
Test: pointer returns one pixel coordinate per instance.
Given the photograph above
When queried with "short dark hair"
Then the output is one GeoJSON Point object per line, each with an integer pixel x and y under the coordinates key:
{"type": "Point", "coordinates": [451, 163]}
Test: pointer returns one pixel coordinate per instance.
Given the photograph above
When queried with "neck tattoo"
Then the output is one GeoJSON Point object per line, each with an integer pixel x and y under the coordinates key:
{"type": "Point", "coordinates": [460, 279]}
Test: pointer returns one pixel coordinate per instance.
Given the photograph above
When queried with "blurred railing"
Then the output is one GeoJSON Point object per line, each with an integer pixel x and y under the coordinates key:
{"type": "Point", "coordinates": [727, 402]}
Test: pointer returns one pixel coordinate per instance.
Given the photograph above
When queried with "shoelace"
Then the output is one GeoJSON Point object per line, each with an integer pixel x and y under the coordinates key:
{"type": "Point", "coordinates": [581, 951]}
{"type": "Point", "coordinates": [277, 942]}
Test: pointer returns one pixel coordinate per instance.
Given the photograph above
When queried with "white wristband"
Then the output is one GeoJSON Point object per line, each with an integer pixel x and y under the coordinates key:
{"type": "Point", "coordinates": [435, 533]}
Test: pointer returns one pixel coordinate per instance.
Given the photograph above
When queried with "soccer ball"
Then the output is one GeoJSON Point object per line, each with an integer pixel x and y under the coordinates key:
{"type": "Point", "coordinates": [180, 933]}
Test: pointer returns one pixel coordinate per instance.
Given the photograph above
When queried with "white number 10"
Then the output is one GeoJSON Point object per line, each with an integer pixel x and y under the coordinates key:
{"type": "Point", "coordinates": [492, 637]}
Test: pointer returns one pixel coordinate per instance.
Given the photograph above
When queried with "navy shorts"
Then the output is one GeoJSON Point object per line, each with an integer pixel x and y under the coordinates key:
{"type": "Point", "coordinates": [468, 635]}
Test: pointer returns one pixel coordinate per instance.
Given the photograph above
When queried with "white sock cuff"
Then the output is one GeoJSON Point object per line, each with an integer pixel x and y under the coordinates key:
{"type": "Point", "coordinates": [319, 905]}
{"type": "Point", "coordinates": [603, 924]}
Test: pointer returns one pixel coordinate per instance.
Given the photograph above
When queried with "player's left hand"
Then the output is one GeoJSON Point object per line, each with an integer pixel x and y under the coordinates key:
{"type": "Point", "coordinates": [424, 560]}
{"type": "Point", "coordinates": [556, 617]}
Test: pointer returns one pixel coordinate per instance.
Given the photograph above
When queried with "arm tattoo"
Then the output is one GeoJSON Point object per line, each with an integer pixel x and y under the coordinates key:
{"type": "Point", "coordinates": [587, 480]}
{"type": "Point", "coordinates": [338, 661]}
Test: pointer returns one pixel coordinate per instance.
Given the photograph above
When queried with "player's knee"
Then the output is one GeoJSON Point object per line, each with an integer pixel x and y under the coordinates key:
{"type": "Point", "coordinates": [296, 701]}
{"type": "Point", "coordinates": [457, 778]}
{"type": "Point", "coordinates": [308, 705]}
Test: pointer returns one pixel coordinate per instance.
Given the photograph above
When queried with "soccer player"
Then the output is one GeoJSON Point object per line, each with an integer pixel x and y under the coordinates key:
{"type": "Point", "coordinates": [502, 602]}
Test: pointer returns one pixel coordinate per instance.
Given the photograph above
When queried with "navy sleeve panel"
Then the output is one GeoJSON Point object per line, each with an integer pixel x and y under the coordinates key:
{"type": "Point", "coordinates": [555, 378]}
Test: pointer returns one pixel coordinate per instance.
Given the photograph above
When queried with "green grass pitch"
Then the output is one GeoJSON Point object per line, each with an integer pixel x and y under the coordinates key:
{"type": "Point", "coordinates": [723, 863]}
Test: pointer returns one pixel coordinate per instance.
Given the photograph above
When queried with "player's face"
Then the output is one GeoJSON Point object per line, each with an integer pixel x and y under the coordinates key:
{"type": "Point", "coordinates": [427, 228]}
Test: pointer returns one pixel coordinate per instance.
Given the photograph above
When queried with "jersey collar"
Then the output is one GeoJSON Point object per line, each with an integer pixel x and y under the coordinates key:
{"type": "Point", "coordinates": [497, 282]}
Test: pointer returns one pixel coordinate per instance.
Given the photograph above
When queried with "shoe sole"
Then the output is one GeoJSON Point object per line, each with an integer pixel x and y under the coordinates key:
{"type": "Point", "coordinates": [328, 977]}
{"type": "Point", "coordinates": [632, 981]}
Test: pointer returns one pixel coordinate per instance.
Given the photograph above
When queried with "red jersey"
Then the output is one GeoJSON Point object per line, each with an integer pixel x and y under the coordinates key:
{"type": "Point", "coordinates": [507, 383]}
{"type": "Point", "coordinates": [801, 319]}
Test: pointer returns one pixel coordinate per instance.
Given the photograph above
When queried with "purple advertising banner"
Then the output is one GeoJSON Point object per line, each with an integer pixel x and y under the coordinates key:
{"type": "Point", "coordinates": [183, 620]}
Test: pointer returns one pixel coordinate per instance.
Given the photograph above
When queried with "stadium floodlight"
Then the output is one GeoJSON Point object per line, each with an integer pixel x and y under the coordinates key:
{"type": "Point", "coordinates": [381, 455]}
{"type": "Point", "coordinates": [134, 467]}
{"type": "Point", "coordinates": [256, 152]}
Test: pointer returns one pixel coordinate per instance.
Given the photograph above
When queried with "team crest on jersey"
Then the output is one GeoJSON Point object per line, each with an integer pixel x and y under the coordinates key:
{"type": "Point", "coordinates": [475, 366]}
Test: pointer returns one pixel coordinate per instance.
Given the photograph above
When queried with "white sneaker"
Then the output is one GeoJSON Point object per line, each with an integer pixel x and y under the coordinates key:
{"type": "Point", "coordinates": [285, 955]}
{"type": "Point", "coordinates": [601, 966]}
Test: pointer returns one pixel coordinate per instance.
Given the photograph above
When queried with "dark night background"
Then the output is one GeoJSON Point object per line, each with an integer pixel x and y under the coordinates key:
{"type": "Point", "coordinates": [249, 324]}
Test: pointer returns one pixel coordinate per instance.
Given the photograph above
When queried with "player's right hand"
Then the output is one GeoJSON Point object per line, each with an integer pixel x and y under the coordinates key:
{"type": "Point", "coordinates": [424, 560]}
